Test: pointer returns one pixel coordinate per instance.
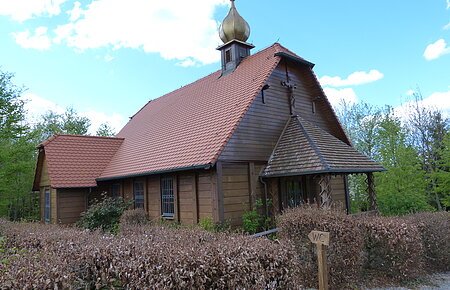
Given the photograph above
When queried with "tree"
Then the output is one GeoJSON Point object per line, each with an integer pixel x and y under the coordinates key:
{"type": "Point", "coordinates": [427, 130]}
{"type": "Point", "coordinates": [401, 189]}
{"type": "Point", "coordinates": [105, 130]}
{"type": "Point", "coordinates": [442, 175]}
{"type": "Point", "coordinates": [67, 123]}
{"type": "Point", "coordinates": [361, 123]}
{"type": "Point", "coordinates": [17, 153]}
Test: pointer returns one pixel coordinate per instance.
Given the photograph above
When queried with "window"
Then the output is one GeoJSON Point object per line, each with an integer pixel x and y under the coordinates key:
{"type": "Point", "coordinates": [47, 205]}
{"type": "Point", "coordinates": [296, 191]}
{"type": "Point", "coordinates": [115, 190]}
{"type": "Point", "coordinates": [227, 56]}
{"type": "Point", "coordinates": [167, 197]}
{"type": "Point", "coordinates": [138, 191]}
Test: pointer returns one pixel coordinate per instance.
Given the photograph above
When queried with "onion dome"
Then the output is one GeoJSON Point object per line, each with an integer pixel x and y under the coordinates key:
{"type": "Point", "coordinates": [234, 26]}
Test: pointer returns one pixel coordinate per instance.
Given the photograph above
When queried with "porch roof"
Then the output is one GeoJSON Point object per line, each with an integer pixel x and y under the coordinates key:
{"type": "Point", "coordinates": [304, 148]}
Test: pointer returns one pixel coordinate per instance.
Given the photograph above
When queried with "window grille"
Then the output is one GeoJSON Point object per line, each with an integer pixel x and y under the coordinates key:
{"type": "Point", "coordinates": [167, 197]}
{"type": "Point", "coordinates": [138, 194]}
{"type": "Point", "coordinates": [47, 205]}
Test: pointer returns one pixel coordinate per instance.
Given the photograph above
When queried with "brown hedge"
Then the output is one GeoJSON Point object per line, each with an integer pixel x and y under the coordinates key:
{"type": "Point", "coordinates": [434, 229]}
{"type": "Point", "coordinates": [344, 253]}
{"type": "Point", "coordinates": [152, 257]}
{"type": "Point", "coordinates": [393, 248]}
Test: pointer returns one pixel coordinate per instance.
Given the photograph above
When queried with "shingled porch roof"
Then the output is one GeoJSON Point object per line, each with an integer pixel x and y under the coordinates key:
{"type": "Point", "coordinates": [304, 148]}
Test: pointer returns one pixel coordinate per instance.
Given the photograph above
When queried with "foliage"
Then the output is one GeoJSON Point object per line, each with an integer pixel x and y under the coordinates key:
{"type": "Point", "coordinates": [255, 220]}
{"type": "Point", "coordinates": [434, 230]}
{"type": "Point", "coordinates": [104, 215]}
{"type": "Point", "coordinates": [207, 224]}
{"type": "Point", "coordinates": [17, 152]}
{"type": "Point", "coordinates": [152, 257]}
{"type": "Point", "coordinates": [393, 248]}
{"type": "Point", "coordinates": [343, 254]}
{"type": "Point", "coordinates": [401, 189]}
{"type": "Point", "coordinates": [105, 130]}
{"type": "Point", "coordinates": [442, 174]}
{"type": "Point", "coordinates": [67, 123]}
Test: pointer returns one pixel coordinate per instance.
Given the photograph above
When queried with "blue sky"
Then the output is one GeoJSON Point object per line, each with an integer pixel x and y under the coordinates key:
{"type": "Point", "coordinates": [107, 58]}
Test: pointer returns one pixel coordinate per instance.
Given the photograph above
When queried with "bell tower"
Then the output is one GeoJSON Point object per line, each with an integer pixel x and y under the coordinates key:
{"type": "Point", "coordinates": [234, 32]}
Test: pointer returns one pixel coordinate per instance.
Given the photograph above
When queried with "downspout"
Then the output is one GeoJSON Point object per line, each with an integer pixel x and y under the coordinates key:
{"type": "Point", "coordinates": [265, 195]}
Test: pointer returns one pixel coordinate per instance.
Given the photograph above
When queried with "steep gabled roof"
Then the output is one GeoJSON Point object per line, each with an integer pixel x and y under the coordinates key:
{"type": "Point", "coordinates": [189, 127]}
{"type": "Point", "coordinates": [304, 148]}
{"type": "Point", "coordinates": [74, 160]}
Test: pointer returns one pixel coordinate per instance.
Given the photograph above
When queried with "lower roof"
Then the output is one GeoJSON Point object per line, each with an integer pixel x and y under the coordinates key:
{"type": "Point", "coordinates": [304, 148]}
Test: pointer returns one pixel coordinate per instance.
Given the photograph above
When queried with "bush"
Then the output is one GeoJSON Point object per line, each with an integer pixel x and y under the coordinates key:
{"type": "Point", "coordinates": [134, 217]}
{"type": "Point", "coordinates": [393, 248]}
{"type": "Point", "coordinates": [103, 215]}
{"type": "Point", "coordinates": [343, 254]}
{"type": "Point", "coordinates": [153, 257]}
{"type": "Point", "coordinates": [434, 229]}
{"type": "Point", "coordinates": [254, 221]}
{"type": "Point", "coordinates": [207, 224]}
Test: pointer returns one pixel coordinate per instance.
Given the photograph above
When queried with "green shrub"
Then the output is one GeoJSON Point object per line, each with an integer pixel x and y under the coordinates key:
{"type": "Point", "coordinates": [343, 254]}
{"type": "Point", "coordinates": [254, 221]}
{"type": "Point", "coordinates": [104, 215]}
{"type": "Point", "coordinates": [207, 224]}
{"type": "Point", "coordinates": [393, 248]}
{"type": "Point", "coordinates": [434, 229]}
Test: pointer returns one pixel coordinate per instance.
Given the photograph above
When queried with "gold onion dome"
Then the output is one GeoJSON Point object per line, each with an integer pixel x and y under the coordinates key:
{"type": "Point", "coordinates": [234, 26]}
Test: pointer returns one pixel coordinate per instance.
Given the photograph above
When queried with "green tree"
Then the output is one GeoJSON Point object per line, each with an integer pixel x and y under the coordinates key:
{"type": "Point", "coordinates": [442, 175]}
{"type": "Point", "coordinates": [401, 189]}
{"type": "Point", "coordinates": [67, 123]}
{"type": "Point", "coordinates": [105, 130]}
{"type": "Point", "coordinates": [361, 123]}
{"type": "Point", "coordinates": [17, 153]}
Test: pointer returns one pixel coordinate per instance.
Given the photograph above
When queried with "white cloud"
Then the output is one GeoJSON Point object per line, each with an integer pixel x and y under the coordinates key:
{"type": "Point", "coordinates": [446, 27]}
{"type": "Point", "coordinates": [76, 12]}
{"type": "Point", "coordinates": [21, 10]}
{"type": "Point", "coordinates": [448, 4]}
{"type": "Point", "coordinates": [39, 40]}
{"type": "Point", "coordinates": [176, 29]}
{"type": "Point", "coordinates": [36, 106]}
{"type": "Point", "coordinates": [436, 50]}
{"type": "Point", "coordinates": [336, 96]}
{"type": "Point", "coordinates": [356, 78]}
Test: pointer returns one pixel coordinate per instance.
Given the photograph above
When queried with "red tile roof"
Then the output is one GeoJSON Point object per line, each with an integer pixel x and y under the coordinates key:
{"type": "Point", "coordinates": [188, 127]}
{"type": "Point", "coordinates": [304, 148]}
{"type": "Point", "coordinates": [76, 161]}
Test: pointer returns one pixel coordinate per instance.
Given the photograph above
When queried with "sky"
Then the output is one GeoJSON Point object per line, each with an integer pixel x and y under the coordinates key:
{"type": "Point", "coordinates": [108, 58]}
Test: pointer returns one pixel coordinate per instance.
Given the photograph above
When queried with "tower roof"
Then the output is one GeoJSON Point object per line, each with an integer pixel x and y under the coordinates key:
{"type": "Point", "coordinates": [234, 27]}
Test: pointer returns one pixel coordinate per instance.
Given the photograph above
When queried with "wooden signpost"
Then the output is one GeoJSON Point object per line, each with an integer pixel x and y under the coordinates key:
{"type": "Point", "coordinates": [322, 240]}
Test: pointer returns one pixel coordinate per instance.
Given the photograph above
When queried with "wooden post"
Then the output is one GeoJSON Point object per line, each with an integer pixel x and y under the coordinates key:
{"type": "Point", "coordinates": [322, 240]}
{"type": "Point", "coordinates": [371, 192]}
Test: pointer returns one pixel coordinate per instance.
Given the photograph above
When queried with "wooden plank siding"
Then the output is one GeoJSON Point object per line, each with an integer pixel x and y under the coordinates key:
{"type": "Point", "coordinates": [236, 191]}
{"type": "Point", "coordinates": [338, 192]}
{"type": "Point", "coordinates": [186, 193]}
{"type": "Point", "coordinates": [71, 203]}
{"type": "Point", "coordinates": [153, 197]}
{"type": "Point", "coordinates": [259, 130]}
{"type": "Point", "coordinates": [205, 189]}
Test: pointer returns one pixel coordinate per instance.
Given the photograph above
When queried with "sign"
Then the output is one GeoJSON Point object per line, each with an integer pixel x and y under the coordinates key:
{"type": "Point", "coordinates": [322, 238]}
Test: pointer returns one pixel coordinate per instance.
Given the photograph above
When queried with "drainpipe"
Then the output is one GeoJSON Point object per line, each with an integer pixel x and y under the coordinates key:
{"type": "Point", "coordinates": [265, 195]}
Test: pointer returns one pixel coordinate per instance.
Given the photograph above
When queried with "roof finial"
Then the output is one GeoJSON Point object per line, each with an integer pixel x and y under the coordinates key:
{"type": "Point", "coordinates": [234, 26]}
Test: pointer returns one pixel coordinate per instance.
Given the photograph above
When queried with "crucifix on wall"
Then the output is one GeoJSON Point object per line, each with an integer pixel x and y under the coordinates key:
{"type": "Point", "coordinates": [291, 87]}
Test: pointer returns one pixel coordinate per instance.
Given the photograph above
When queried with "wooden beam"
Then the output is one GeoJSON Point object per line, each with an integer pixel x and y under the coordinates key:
{"type": "Point", "coordinates": [219, 194]}
{"type": "Point", "coordinates": [371, 192]}
{"type": "Point", "coordinates": [252, 184]}
{"type": "Point", "coordinates": [195, 198]}
{"type": "Point", "coordinates": [347, 194]}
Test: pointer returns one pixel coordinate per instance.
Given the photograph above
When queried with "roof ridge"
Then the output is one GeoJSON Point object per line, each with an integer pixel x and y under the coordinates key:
{"type": "Point", "coordinates": [55, 136]}
{"type": "Point", "coordinates": [313, 144]}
